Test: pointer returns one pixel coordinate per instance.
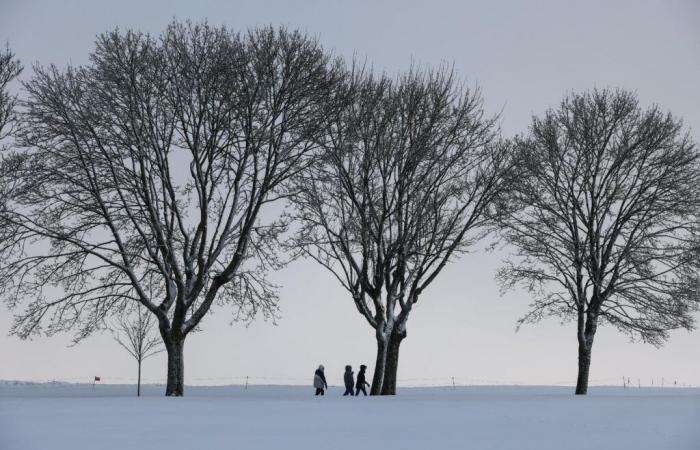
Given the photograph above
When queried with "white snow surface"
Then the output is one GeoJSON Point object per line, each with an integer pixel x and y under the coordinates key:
{"type": "Point", "coordinates": [57, 416]}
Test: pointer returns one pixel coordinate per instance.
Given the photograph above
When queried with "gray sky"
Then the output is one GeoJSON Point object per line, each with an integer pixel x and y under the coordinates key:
{"type": "Point", "coordinates": [525, 55]}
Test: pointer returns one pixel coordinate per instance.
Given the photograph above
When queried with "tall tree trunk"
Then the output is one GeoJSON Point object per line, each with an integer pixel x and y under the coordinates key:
{"type": "Point", "coordinates": [379, 366]}
{"type": "Point", "coordinates": [587, 326]}
{"type": "Point", "coordinates": [176, 367]}
{"type": "Point", "coordinates": [584, 364]}
{"type": "Point", "coordinates": [392, 363]}
{"type": "Point", "coordinates": [138, 382]}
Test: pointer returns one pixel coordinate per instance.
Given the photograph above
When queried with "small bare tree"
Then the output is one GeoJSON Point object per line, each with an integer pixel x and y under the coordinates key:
{"type": "Point", "coordinates": [407, 179]}
{"type": "Point", "coordinates": [604, 219]}
{"type": "Point", "coordinates": [158, 161]}
{"type": "Point", "coordinates": [134, 334]}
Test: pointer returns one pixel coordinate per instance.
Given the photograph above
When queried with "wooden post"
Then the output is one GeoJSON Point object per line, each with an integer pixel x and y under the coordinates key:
{"type": "Point", "coordinates": [246, 382]}
{"type": "Point", "coordinates": [453, 384]}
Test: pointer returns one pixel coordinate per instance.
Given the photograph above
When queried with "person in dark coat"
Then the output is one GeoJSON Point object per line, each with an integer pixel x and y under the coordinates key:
{"type": "Point", "coordinates": [361, 382]}
{"type": "Point", "coordinates": [320, 381]}
{"type": "Point", "coordinates": [349, 380]}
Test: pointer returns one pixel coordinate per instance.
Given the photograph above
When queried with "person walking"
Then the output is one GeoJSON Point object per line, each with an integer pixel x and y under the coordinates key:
{"type": "Point", "coordinates": [349, 381]}
{"type": "Point", "coordinates": [320, 381]}
{"type": "Point", "coordinates": [361, 381]}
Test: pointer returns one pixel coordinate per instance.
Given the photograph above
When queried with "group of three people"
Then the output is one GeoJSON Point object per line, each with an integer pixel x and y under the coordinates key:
{"type": "Point", "coordinates": [321, 385]}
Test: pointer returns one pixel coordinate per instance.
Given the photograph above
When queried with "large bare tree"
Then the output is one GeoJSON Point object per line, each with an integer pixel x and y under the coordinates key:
{"type": "Point", "coordinates": [409, 173]}
{"type": "Point", "coordinates": [158, 160]}
{"type": "Point", "coordinates": [604, 219]}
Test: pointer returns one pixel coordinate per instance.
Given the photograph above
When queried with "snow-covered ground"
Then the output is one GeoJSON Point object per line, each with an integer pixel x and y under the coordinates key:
{"type": "Point", "coordinates": [76, 417]}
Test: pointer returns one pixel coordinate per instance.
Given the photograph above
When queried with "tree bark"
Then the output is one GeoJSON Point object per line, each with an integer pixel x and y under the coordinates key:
{"type": "Point", "coordinates": [176, 368]}
{"type": "Point", "coordinates": [379, 366]}
{"type": "Point", "coordinates": [584, 364]}
{"type": "Point", "coordinates": [392, 363]}
{"type": "Point", "coordinates": [138, 382]}
{"type": "Point", "coordinates": [587, 326]}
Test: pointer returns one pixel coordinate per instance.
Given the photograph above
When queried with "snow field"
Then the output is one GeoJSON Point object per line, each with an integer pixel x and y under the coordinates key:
{"type": "Point", "coordinates": [108, 417]}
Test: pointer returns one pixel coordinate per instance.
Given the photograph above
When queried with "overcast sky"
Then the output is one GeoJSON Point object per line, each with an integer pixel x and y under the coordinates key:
{"type": "Point", "coordinates": [525, 55]}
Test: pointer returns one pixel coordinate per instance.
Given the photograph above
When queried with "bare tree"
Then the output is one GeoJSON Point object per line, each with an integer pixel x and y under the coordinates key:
{"type": "Point", "coordinates": [10, 68]}
{"type": "Point", "coordinates": [134, 334]}
{"type": "Point", "coordinates": [604, 219]}
{"type": "Point", "coordinates": [157, 161]}
{"type": "Point", "coordinates": [408, 177]}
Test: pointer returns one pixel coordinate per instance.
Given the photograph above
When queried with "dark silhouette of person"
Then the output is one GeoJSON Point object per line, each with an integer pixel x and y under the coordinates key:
{"type": "Point", "coordinates": [320, 381]}
{"type": "Point", "coordinates": [349, 381]}
{"type": "Point", "coordinates": [361, 382]}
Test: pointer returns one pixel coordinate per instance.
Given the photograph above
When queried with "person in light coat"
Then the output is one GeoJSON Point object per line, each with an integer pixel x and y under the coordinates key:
{"type": "Point", "coordinates": [320, 381]}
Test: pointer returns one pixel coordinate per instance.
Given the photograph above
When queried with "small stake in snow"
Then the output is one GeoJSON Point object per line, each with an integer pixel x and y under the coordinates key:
{"type": "Point", "coordinates": [246, 382]}
{"type": "Point", "coordinates": [453, 384]}
{"type": "Point", "coordinates": [624, 384]}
